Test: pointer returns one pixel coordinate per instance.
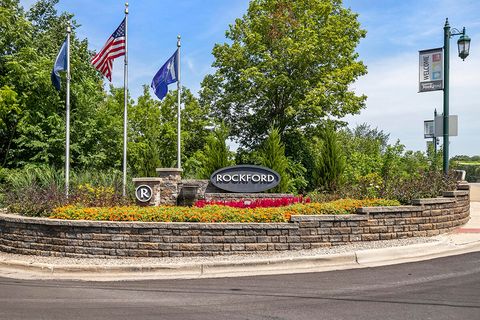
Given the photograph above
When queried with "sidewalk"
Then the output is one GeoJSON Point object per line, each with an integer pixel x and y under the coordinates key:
{"type": "Point", "coordinates": [463, 240]}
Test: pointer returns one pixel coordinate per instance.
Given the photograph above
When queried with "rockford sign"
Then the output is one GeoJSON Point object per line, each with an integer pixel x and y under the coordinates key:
{"type": "Point", "coordinates": [431, 70]}
{"type": "Point", "coordinates": [245, 178]}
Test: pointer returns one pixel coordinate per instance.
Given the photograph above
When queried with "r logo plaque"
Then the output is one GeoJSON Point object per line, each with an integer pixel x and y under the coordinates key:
{"type": "Point", "coordinates": [143, 193]}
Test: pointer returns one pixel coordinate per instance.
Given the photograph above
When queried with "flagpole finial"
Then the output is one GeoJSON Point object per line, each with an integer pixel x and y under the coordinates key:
{"type": "Point", "coordinates": [126, 7]}
{"type": "Point", "coordinates": [178, 41]}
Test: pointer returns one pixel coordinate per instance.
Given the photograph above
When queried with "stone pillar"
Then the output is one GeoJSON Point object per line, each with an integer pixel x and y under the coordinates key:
{"type": "Point", "coordinates": [170, 179]}
{"type": "Point", "coordinates": [165, 188]}
{"type": "Point", "coordinates": [155, 185]}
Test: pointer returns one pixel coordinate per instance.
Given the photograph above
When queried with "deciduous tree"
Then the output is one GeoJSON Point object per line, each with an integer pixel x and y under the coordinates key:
{"type": "Point", "coordinates": [288, 63]}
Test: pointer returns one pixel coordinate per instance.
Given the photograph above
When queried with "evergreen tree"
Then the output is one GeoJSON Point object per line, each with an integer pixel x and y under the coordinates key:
{"type": "Point", "coordinates": [272, 155]}
{"type": "Point", "coordinates": [330, 162]}
{"type": "Point", "coordinates": [215, 155]}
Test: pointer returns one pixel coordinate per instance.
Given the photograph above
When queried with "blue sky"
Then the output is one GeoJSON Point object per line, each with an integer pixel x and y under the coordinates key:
{"type": "Point", "coordinates": [396, 31]}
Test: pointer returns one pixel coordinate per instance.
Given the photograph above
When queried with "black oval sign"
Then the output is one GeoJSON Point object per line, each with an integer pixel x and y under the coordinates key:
{"type": "Point", "coordinates": [245, 178]}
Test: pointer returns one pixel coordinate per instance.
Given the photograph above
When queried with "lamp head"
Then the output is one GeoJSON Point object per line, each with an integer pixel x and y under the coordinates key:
{"type": "Point", "coordinates": [463, 45]}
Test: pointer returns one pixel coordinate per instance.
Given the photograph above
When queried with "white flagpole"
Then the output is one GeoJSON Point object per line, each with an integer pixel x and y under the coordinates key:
{"type": "Point", "coordinates": [125, 94]}
{"type": "Point", "coordinates": [67, 120]}
{"type": "Point", "coordinates": [179, 158]}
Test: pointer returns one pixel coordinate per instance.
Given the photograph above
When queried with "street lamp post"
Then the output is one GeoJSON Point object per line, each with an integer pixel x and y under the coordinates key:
{"type": "Point", "coordinates": [434, 136]}
{"type": "Point", "coordinates": [463, 51]}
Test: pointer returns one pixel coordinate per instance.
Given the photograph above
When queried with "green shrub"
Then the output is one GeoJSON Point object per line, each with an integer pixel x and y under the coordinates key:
{"type": "Point", "coordinates": [429, 184]}
{"type": "Point", "coordinates": [426, 184]}
{"type": "Point", "coordinates": [36, 190]}
{"type": "Point", "coordinates": [97, 196]}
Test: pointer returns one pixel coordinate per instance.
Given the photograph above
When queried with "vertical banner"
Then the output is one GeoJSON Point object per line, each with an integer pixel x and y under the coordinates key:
{"type": "Point", "coordinates": [430, 70]}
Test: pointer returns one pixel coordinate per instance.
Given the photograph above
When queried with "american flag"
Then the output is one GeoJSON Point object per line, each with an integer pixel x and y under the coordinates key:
{"type": "Point", "coordinates": [113, 48]}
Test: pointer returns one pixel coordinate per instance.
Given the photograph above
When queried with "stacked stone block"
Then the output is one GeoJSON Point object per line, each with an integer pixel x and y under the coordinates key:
{"type": "Point", "coordinates": [49, 237]}
{"type": "Point", "coordinates": [165, 187]}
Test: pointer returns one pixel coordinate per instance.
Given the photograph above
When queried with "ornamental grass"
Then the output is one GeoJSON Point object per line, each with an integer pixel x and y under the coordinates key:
{"type": "Point", "coordinates": [213, 213]}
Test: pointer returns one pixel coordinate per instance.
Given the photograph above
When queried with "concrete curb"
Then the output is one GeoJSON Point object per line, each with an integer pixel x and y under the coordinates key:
{"type": "Point", "coordinates": [355, 259]}
{"type": "Point", "coordinates": [280, 265]}
{"type": "Point", "coordinates": [187, 271]}
{"type": "Point", "coordinates": [416, 252]}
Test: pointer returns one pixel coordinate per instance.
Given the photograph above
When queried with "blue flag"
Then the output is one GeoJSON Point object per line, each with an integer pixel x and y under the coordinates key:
{"type": "Point", "coordinates": [167, 74]}
{"type": "Point", "coordinates": [60, 65]}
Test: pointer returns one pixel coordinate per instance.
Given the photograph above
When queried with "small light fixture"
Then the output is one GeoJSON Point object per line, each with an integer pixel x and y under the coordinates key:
{"type": "Point", "coordinates": [463, 45]}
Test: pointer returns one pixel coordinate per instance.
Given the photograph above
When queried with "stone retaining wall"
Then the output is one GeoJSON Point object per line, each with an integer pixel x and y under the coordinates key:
{"type": "Point", "coordinates": [49, 237]}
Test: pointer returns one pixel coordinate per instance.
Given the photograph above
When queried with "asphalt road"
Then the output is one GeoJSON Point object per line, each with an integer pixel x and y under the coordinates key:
{"type": "Point", "coordinates": [446, 288]}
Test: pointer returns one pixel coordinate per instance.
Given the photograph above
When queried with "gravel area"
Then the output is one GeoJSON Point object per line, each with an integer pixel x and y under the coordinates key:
{"type": "Point", "coordinates": [229, 258]}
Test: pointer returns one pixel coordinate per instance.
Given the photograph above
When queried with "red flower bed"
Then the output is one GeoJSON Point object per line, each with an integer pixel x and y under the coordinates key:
{"type": "Point", "coordinates": [258, 203]}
